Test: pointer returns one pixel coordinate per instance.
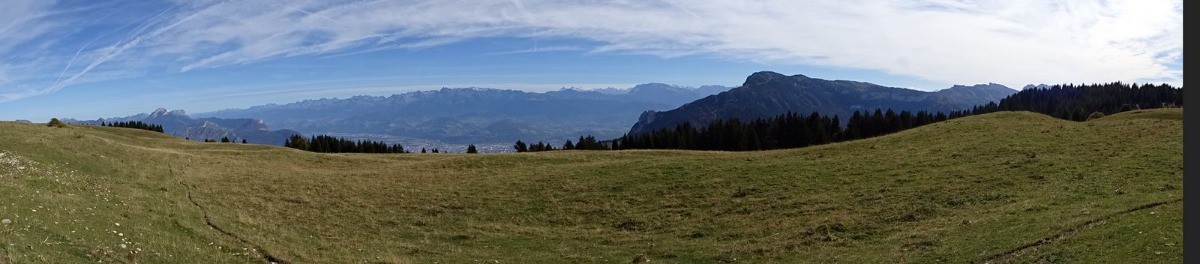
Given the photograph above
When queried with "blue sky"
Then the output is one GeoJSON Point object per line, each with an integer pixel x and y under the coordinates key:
{"type": "Point", "coordinates": [90, 59]}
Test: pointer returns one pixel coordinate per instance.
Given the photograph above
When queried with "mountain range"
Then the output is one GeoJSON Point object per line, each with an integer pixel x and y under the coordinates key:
{"type": "Point", "coordinates": [179, 124]}
{"type": "Point", "coordinates": [475, 115]}
{"type": "Point", "coordinates": [767, 94]}
{"type": "Point", "coordinates": [495, 118]}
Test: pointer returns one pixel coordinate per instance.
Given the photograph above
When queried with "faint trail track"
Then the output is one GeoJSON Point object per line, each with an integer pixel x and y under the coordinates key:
{"type": "Point", "coordinates": [169, 151]}
{"type": "Point", "coordinates": [208, 221]}
{"type": "Point", "coordinates": [1007, 256]}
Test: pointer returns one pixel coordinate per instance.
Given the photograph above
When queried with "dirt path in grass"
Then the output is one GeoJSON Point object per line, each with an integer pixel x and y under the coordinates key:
{"type": "Point", "coordinates": [266, 256]}
{"type": "Point", "coordinates": [1007, 256]}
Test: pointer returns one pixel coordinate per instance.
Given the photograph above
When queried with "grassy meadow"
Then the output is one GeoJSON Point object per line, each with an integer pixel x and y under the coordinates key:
{"type": "Point", "coordinates": [976, 189]}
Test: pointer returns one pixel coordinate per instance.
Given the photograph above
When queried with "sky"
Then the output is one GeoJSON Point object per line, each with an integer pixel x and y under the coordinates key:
{"type": "Point", "coordinates": [90, 59]}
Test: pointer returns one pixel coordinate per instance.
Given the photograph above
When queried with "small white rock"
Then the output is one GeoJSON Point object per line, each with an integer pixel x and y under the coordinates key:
{"type": "Point", "coordinates": [6, 221]}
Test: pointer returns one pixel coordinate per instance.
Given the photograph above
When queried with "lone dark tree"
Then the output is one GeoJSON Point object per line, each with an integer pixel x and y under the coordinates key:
{"type": "Point", "coordinates": [471, 149]}
{"type": "Point", "coordinates": [224, 139]}
{"type": "Point", "coordinates": [243, 141]}
{"type": "Point", "coordinates": [54, 122]}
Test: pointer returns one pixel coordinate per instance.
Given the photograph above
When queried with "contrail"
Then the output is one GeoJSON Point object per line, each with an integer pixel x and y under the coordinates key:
{"type": "Point", "coordinates": [381, 36]}
{"type": "Point", "coordinates": [59, 84]}
{"type": "Point", "coordinates": [77, 52]}
{"type": "Point", "coordinates": [137, 38]}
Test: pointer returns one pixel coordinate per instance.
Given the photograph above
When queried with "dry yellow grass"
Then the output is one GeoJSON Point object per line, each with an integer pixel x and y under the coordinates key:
{"type": "Point", "coordinates": [964, 190]}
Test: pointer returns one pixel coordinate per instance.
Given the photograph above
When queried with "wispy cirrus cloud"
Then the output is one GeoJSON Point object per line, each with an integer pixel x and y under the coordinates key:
{"type": "Point", "coordinates": [21, 21]}
{"type": "Point", "coordinates": [20, 24]}
{"type": "Point", "coordinates": [538, 49]}
{"type": "Point", "coordinates": [950, 41]}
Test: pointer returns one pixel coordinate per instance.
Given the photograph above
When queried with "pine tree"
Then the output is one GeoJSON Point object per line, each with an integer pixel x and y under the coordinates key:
{"type": "Point", "coordinates": [297, 141]}
{"type": "Point", "coordinates": [471, 149]}
{"type": "Point", "coordinates": [520, 146]}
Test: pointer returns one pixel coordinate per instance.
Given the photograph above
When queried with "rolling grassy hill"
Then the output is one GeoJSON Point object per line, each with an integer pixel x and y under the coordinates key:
{"type": "Point", "coordinates": [1009, 186]}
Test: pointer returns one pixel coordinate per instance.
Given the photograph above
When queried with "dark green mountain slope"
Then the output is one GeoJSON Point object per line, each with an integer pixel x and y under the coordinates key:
{"type": "Point", "coordinates": [768, 94]}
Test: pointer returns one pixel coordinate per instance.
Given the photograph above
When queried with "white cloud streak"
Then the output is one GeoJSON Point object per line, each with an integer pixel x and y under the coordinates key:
{"type": "Point", "coordinates": [20, 22]}
{"type": "Point", "coordinates": [948, 41]}
{"type": "Point", "coordinates": [538, 49]}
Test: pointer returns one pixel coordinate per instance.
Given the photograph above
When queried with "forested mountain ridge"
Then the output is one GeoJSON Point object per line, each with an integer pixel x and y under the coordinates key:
{"type": "Point", "coordinates": [792, 130]}
{"type": "Point", "coordinates": [767, 94]}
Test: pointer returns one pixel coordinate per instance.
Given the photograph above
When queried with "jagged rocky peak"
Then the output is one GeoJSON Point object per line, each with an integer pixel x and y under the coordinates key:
{"type": "Point", "coordinates": [979, 86]}
{"type": "Point", "coordinates": [260, 125]}
{"type": "Point", "coordinates": [161, 112]}
{"type": "Point", "coordinates": [158, 112]}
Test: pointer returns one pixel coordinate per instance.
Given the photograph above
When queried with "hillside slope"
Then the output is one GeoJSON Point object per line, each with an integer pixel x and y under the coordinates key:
{"type": "Point", "coordinates": [981, 188]}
